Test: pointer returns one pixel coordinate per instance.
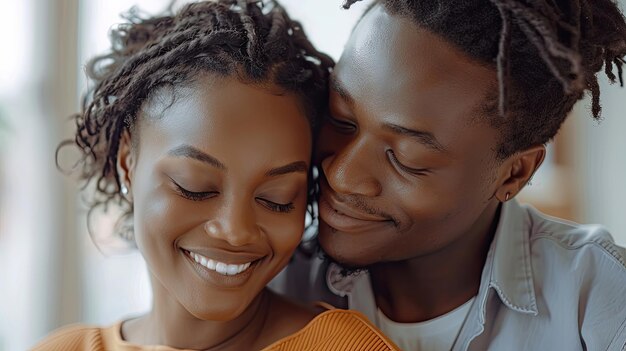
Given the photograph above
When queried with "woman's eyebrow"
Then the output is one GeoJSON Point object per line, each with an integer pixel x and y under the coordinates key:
{"type": "Point", "coordinates": [193, 153]}
{"type": "Point", "coordinates": [294, 167]}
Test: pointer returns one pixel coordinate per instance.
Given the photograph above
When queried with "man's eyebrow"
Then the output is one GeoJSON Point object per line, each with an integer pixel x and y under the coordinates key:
{"type": "Point", "coordinates": [294, 167]}
{"type": "Point", "coordinates": [425, 138]}
{"type": "Point", "coordinates": [193, 153]}
{"type": "Point", "coordinates": [336, 85]}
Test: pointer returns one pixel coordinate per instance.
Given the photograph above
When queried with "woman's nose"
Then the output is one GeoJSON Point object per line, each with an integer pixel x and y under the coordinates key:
{"type": "Point", "coordinates": [235, 224]}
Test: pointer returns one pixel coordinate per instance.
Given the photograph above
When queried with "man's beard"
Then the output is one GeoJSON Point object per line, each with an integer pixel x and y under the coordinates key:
{"type": "Point", "coordinates": [311, 247]}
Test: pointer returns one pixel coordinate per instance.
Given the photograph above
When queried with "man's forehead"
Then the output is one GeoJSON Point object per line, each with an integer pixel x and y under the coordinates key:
{"type": "Point", "coordinates": [398, 45]}
{"type": "Point", "coordinates": [395, 71]}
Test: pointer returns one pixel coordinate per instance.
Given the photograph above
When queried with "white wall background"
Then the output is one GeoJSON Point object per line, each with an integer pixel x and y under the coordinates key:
{"type": "Point", "coordinates": [602, 161]}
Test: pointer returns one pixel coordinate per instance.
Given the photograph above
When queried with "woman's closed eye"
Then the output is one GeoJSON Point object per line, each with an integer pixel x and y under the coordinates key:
{"type": "Point", "coordinates": [193, 195]}
{"type": "Point", "coordinates": [276, 207]}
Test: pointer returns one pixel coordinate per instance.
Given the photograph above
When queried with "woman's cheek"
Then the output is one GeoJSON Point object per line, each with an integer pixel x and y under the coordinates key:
{"type": "Point", "coordinates": [285, 233]}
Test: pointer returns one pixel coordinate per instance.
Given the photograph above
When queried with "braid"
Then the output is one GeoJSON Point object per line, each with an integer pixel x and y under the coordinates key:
{"type": "Point", "coordinates": [547, 54]}
{"type": "Point", "coordinates": [251, 32]}
{"type": "Point", "coordinates": [504, 69]}
{"type": "Point", "coordinates": [538, 27]}
{"type": "Point", "coordinates": [254, 40]}
{"type": "Point", "coordinates": [348, 3]}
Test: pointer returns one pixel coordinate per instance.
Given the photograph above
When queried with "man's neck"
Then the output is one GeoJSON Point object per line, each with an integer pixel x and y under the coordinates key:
{"type": "Point", "coordinates": [429, 286]}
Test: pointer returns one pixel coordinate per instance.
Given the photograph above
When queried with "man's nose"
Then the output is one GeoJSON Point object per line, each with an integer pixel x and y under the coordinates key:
{"type": "Point", "coordinates": [352, 169]}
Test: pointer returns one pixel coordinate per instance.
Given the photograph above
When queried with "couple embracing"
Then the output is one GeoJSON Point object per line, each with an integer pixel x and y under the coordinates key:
{"type": "Point", "coordinates": [220, 126]}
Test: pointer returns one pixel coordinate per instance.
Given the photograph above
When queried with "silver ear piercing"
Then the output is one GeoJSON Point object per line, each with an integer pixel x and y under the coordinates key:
{"type": "Point", "coordinates": [124, 189]}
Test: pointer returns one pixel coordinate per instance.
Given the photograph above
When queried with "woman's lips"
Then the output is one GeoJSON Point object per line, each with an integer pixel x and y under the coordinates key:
{"type": "Point", "coordinates": [217, 266]}
{"type": "Point", "coordinates": [345, 219]}
{"type": "Point", "coordinates": [230, 274]}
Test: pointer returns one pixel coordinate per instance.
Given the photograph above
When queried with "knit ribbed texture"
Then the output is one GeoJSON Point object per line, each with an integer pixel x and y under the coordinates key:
{"type": "Point", "coordinates": [334, 330]}
{"type": "Point", "coordinates": [73, 338]}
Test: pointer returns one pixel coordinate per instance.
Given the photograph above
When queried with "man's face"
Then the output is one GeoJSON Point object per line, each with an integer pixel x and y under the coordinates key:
{"type": "Point", "coordinates": [408, 165]}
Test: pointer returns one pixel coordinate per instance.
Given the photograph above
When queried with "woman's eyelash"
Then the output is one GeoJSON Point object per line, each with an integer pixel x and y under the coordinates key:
{"type": "Point", "coordinates": [415, 171]}
{"type": "Point", "coordinates": [192, 195]}
{"type": "Point", "coordinates": [283, 208]}
{"type": "Point", "coordinates": [204, 195]}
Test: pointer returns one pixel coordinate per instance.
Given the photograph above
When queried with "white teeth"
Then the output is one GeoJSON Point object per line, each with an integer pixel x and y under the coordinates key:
{"type": "Point", "coordinates": [219, 267]}
{"type": "Point", "coordinates": [232, 269]}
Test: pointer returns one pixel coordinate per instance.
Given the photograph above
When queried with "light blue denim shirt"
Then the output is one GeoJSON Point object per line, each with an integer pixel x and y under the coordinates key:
{"type": "Point", "coordinates": [547, 284]}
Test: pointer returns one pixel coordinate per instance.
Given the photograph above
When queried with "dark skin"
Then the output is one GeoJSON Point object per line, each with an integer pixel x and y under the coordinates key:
{"type": "Point", "coordinates": [411, 185]}
{"type": "Point", "coordinates": [213, 176]}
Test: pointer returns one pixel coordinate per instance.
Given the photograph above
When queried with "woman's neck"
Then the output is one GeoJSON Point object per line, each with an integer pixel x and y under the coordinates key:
{"type": "Point", "coordinates": [170, 324]}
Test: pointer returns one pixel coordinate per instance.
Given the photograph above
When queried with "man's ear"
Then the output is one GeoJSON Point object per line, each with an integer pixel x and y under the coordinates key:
{"type": "Point", "coordinates": [517, 171]}
{"type": "Point", "coordinates": [125, 165]}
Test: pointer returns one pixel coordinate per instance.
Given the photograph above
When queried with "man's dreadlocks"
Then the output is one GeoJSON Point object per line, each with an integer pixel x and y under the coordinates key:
{"type": "Point", "coordinates": [546, 52]}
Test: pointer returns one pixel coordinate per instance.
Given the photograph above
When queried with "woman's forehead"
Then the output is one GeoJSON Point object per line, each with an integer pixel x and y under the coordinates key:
{"type": "Point", "coordinates": [229, 115]}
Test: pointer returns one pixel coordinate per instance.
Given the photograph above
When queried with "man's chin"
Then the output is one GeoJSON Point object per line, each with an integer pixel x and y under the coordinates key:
{"type": "Point", "coordinates": [347, 268]}
{"type": "Point", "coordinates": [333, 250]}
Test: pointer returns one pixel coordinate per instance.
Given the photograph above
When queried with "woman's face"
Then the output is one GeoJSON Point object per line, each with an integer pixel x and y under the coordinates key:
{"type": "Point", "coordinates": [218, 182]}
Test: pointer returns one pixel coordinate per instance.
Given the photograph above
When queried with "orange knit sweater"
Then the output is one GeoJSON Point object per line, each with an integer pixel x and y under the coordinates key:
{"type": "Point", "coordinates": [336, 330]}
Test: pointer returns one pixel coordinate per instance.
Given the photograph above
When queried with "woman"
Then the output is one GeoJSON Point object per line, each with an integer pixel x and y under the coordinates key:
{"type": "Point", "coordinates": [202, 122]}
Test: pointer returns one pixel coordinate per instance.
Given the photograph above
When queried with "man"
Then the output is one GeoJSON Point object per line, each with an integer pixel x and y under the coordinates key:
{"type": "Point", "coordinates": [439, 113]}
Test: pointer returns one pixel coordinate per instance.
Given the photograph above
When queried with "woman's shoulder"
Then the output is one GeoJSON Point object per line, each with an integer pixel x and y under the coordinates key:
{"type": "Point", "coordinates": [337, 330]}
{"type": "Point", "coordinates": [287, 316]}
{"type": "Point", "coordinates": [73, 338]}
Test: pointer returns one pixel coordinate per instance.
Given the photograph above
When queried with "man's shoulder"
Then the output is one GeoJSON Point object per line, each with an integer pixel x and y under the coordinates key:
{"type": "Point", "coordinates": [578, 255]}
{"type": "Point", "coordinates": [580, 274]}
{"type": "Point", "coordinates": [566, 240]}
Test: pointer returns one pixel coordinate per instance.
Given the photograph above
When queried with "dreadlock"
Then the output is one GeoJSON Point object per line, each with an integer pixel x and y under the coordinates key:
{"type": "Point", "coordinates": [547, 54]}
{"type": "Point", "coordinates": [253, 40]}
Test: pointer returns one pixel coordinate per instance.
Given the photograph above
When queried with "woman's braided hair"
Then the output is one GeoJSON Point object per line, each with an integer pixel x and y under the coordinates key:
{"type": "Point", "coordinates": [547, 54]}
{"type": "Point", "coordinates": [252, 40]}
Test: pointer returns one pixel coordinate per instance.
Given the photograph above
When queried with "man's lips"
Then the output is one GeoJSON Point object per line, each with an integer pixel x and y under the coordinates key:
{"type": "Point", "coordinates": [344, 218]}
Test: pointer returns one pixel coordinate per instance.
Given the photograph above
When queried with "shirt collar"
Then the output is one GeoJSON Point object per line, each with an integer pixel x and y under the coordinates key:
{"type": "Point", "coordinates": [507, 268]}
{"type": "Point", "coordinates": [511, 271]}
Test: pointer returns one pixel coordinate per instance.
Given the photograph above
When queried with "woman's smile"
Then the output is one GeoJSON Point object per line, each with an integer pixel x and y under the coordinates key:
{"type": "Point", "coordinates": [219, 267]}
{"type": "Point", "coordinates": [220, 274]}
